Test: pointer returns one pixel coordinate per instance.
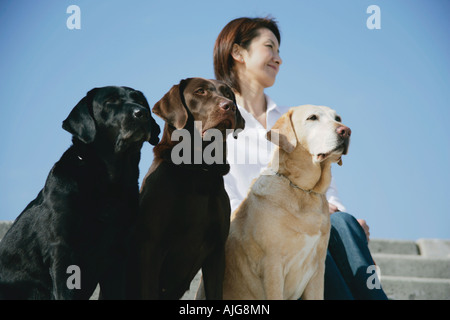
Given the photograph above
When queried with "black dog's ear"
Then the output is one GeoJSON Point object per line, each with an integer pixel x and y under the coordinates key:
{"type": "Point", "coordinates": [171, 108]}
{"type": "Point", "coordinates": [80, 122]}
{"type": "Point", "coordinates": [154, 127]}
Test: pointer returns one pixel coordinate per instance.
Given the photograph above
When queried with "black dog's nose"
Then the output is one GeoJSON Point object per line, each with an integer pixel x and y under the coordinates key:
{"type": "Point", "coordinates": [141, 114]}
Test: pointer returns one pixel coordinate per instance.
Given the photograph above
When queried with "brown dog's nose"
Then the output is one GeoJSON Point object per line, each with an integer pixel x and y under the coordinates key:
{"type": "Point", "coordinates": [344, 131]}
{"type": "Point", "coordinates": [227, 105]}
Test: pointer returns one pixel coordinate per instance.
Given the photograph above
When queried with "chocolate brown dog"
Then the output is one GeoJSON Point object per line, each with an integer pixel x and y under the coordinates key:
{"type": "Point", "coordinates": [184, 214]}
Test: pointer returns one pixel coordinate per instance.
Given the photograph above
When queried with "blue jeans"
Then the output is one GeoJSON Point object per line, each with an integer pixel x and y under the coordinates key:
{"type": "Point", "coordinates": [348, 257]}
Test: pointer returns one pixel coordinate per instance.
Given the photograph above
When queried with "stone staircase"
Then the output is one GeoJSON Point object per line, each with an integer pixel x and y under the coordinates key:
{"type": "Point", "coordinates": [413, 270]}
{"type": "Point", "coordinates": [410, 270]}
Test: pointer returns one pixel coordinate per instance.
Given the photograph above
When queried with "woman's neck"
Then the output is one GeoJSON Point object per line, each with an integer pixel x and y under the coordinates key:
{"type": "Point", "coordinates": [254, 101]}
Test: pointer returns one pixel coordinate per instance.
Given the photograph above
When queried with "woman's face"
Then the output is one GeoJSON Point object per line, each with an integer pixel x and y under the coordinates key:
{"type": "Point", "coordinates": [262, 60]}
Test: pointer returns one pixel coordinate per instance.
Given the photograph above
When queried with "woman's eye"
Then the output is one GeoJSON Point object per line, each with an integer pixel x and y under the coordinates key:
{"type": "Point", "coordinates": [313, 117]}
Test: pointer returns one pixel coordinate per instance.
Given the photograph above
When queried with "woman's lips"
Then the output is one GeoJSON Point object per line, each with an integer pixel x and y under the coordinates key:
{"type": "Point", "coordinates": [273, 67]}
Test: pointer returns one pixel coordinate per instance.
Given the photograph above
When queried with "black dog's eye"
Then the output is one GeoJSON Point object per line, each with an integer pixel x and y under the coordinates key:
{"type": "Point", "coordinates": [312, 117]}
{"type": "Point", "coordinates": [200, 91]}
{"type": "Point", "coordinates": [113, 100]}
{"type": "Point", "coordinates": [338, 119]}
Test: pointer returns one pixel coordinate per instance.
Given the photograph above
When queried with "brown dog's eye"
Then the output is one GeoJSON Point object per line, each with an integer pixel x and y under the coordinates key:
{"type": "Point", "coordinates": [200, 91]}
{"type": "Point", "coordinates": [313, 117]}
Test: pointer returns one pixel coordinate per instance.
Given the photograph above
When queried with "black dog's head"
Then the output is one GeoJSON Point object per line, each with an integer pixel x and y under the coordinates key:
{"type": "Point", "coordinates": [120, 115]}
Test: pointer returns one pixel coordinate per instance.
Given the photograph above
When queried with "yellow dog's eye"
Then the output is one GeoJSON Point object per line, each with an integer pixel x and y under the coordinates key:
{"type": "Point", "coordinates": [338, 119]}
{"type": "Point", "coordinates": [313, 117]}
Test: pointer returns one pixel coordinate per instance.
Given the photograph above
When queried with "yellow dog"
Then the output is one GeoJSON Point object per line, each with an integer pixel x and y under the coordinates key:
{"type": "Point", "coordinates": [279, 235]}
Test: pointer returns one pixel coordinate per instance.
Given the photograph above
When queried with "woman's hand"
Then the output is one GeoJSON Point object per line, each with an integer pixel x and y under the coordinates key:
{"type": "Point", "coordinates": [362, 222]}
{"type": "Point", "coordinates": [332, 208]}
{"type": "Point", "coordinates": [365, 227]}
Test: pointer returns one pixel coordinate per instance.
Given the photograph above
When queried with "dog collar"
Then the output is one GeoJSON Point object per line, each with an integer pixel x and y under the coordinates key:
{"type": "Point", "coordinates": [293, 185]}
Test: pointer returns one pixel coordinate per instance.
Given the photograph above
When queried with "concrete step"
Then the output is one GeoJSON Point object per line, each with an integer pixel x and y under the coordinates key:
{"type": "Point", "coordinates": [412, 266]}
{"type": "Point", "coordinates": [393, 246]}
{"type": "Point", "coordinates": [414, 288]}
{"type": "Point", "coordinates": [413, 270]}
{"type": "Point", "coordinates": [434, 247]}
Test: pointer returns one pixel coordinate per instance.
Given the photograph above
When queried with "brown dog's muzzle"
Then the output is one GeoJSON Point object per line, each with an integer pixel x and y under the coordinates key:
{"type": "Point", "coordinates": [226, 113]}
{"type": "Point", "coordinates": [227, 106]}
{"type": "Point", "coordinates": [226, 116]}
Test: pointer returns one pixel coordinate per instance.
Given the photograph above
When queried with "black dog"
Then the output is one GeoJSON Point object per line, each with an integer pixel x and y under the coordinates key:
{"type": "Point", "coordinates": [184, 215]}
{"type": "Point", "coordinates": [72, 236]}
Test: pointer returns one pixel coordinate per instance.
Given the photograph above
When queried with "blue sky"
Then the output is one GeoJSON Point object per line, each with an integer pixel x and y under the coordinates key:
{"type": "Point", "coordinates": [391, 86]}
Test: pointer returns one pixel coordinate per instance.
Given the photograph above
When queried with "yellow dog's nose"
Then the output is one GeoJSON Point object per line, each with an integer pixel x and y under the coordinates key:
{"type": "Point", "coordinates": [344, 132]}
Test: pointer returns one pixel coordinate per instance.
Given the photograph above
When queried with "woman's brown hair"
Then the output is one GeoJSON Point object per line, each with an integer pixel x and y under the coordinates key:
{"type": "Point", "coordinates": [240, 31]}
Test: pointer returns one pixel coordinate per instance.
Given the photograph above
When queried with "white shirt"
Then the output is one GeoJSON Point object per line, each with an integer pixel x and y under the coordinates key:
{"type": "Point", "coordinates": [251, 152]}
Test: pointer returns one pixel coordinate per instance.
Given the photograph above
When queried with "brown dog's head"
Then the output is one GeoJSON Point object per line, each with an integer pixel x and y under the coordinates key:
{"type": "Point", "coordinates": [210, 101]}
{"type": "Point", "coordinates": [195, 101]}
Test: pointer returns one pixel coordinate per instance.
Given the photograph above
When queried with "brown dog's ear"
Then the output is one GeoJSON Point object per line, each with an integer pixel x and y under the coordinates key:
{"type": "Point", "coordinates": [282, 133]}
{"type": "Point", "coordinates": [171, 109]}
{"type": "Point", "coordinates": [240, 124]}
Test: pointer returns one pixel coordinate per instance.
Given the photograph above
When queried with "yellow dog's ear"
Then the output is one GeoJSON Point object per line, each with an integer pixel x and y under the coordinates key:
{"type": "Point", "coordinates": [282, 133]}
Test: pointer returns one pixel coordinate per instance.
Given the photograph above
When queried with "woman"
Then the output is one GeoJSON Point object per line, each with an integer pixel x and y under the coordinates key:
{"type": "Point", "coordinates": [246, 57]}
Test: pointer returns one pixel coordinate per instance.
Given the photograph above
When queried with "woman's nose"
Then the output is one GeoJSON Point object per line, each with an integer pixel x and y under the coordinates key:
{"type": "Point", "coordinates": [278, 59]}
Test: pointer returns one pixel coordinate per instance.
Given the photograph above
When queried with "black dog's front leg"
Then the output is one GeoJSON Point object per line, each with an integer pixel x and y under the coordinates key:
{"type": "Point", "coordinates": [142, 272]}
{"type": "Point", "coordinates": [65, 274]}
{"type": "Point", "coordinates": [113, 282]}
{"type": "Point", "coordinates": [213, 273]}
